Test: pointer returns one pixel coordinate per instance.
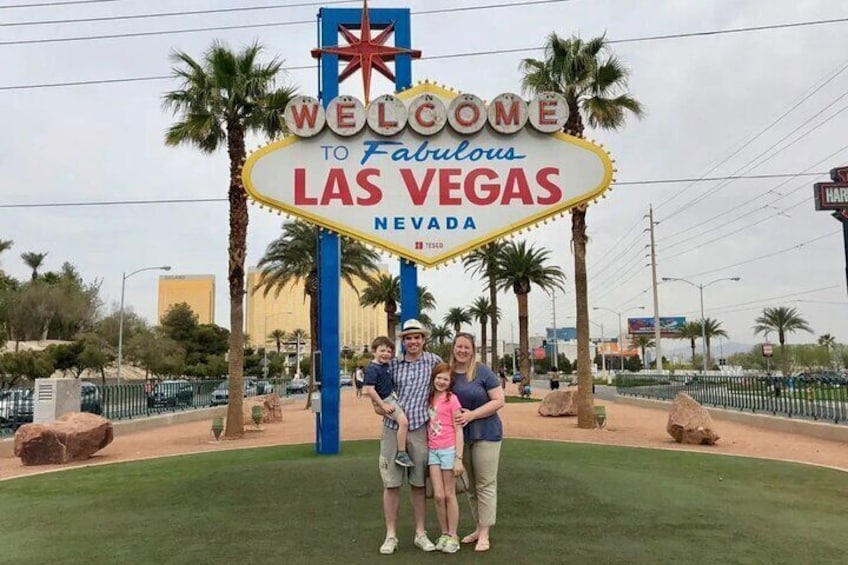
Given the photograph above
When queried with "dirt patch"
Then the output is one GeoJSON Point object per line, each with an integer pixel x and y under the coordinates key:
{"type": "Point", "coordinates": [626, 426]}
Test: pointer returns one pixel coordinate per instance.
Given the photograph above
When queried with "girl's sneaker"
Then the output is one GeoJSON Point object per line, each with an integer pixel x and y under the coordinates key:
{"type": "Point", "coordinates": [440, 543]}
{"type": "Point", "coordinates": [451, 545]}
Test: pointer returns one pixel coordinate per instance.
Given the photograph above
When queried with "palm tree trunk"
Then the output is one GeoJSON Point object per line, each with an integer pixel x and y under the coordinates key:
{"type": "Point", "coordinates": [235, 275]}
{"type": "Point", "coordinates": [523, 339]}
{"type": "Point", "coordinates": [784, 361]}
{"type": "Point", "coordinates": [709, 355]}
{"type": "Point", "coordinates": [692, 344]}
{"type": "Point", "coordinates": [585, 401]}
{"type": "Point", "coordinates": [312, 292]}
{"type": "Point", "coordinates": [483, 344]}
{"type": "Point", "coordinates": [493, 300]}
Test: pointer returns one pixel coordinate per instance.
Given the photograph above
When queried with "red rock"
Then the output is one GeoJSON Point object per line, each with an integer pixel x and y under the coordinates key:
{"type": "Point", "coordinates": [689, 422]}
{"type": "Point", "coordinates": [559, 403]}
{"type": "Point", "coordinates": [72, 437]}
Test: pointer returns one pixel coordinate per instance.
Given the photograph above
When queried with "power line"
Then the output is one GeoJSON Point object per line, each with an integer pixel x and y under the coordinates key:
{"type": "Point", "coordinates": [432, 58]}
{"type": "Point", "coordinates": [767, 255]}
{"type": "Point", "coordinates": [803, 98]}
{"type": "Point", "coordinates": [728, 308]}
{"type": "Point", "coordinates": [321, 3]}
{"type": "Point", "coordinates": [304, 22]}
{"type": "Point", "coordinates": [51, 4]}
{"type": "Point", "coordinates": [128, 35]}
{"type": "Point", "coordinates": [175, 14]}
{"type": "Point", "coordinates": [202, 200]}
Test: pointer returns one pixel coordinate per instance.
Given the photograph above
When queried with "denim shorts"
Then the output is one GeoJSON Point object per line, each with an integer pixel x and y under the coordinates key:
{"type": "Point", "coordinates": [445, 458]}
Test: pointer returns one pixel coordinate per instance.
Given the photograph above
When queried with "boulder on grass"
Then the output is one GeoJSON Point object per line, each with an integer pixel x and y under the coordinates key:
{"type": "Point", "coordinates": [272, 409]}
{"type": "Point", "coordinates": [689, 422]}
{"type": "Point", "coordinates": [559, 403]}
{"type": "Point", "coordinates": [73, 437]}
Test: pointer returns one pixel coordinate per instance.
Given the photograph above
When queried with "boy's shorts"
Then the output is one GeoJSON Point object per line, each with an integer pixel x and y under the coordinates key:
{"type": "Point", "coordinates": [391, 400]}
{"type": "Point", "coordinates": [445, 458]}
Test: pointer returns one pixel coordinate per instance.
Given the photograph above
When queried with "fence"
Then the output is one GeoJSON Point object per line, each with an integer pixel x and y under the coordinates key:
{"type": "Point", "coordinates": [135, 400]}
{"type": "Point", "coordinates": [816, 398]}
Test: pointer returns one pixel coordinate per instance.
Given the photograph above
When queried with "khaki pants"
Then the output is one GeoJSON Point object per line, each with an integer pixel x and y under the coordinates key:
{"type": "Point", "coordinates": [481, 463]}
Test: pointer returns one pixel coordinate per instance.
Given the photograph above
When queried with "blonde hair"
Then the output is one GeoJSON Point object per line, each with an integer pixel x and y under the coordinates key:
{"type": "Point", "coordinates": [472, 363]}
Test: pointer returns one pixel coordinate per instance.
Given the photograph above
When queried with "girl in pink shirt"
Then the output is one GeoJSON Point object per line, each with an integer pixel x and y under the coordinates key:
{"type": "Point", "coordinates": [445, 443]}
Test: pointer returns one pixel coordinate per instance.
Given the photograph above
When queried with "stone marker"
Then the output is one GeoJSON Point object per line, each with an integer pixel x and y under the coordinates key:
{"type": "Point", "coordinates": [689, 422]}
{"type": "Point", "coordinates": [272, 409]}
{"type": "Point", "coordinates": [72, 437]}
{"type": "Point", "coordinates": [559, 403]}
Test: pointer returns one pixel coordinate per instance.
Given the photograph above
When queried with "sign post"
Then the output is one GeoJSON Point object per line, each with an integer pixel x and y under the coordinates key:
{"type": "Point", "coordinates": [834, 196]}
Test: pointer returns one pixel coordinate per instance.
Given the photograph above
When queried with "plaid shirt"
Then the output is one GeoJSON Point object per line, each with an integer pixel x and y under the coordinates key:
{"type": "Point", "coordinates": [412, 384]}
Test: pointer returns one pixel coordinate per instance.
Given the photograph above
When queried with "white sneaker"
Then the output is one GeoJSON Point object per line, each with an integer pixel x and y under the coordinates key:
{"type": "Point", "coordinates": [451, 545]}
{"type": "Point", "coordinates": [389, 546]}
{"type": "Point", "coordinates": [423, 543]}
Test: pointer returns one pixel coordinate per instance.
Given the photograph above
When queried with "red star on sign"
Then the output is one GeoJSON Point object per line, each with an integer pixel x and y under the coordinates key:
{"type": "Point", "coordinates": [366, 53]}
{"type": "Point", "coordinates": [839, 174]}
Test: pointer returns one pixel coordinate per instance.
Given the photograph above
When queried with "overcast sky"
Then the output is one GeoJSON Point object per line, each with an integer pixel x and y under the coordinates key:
{"type": "Point", "coordinates": [705, 98]}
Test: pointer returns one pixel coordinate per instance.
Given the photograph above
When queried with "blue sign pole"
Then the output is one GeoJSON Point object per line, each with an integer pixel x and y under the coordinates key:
{"type": "Point", "coordinates": [327, 436]}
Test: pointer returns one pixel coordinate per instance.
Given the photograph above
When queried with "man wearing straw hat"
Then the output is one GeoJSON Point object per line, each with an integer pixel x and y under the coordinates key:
{"type": "Point", "coordinates": [411, 374]}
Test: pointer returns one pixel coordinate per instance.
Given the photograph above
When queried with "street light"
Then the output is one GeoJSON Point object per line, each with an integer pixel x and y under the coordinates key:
{"type": "Point", "coordinates": [124, 277]}
{"type": "Point", "coordinates": [620, 347]}
{"type": "Point", "coordinates": [701, 288]}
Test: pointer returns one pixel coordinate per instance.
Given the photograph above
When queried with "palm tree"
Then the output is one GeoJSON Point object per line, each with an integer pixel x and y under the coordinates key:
{"type": "Point", "coordinates": [518, 270]}
{"type": "Point", "coordinates": [426, 301]}
{"type": "Point", "coordinates": [481, 310]}
{"type": "Point", "coordinates": [456, 317]}
{"type": "Point", "coordinates": [221, 98]}
{"type": "Point", "coordinates": [782, 320]}
{"type": "Point", "coordinates": [690, 331]}
{"type": "Point", "coordinates": [292, 258]}
{"type": "Point", "coordinates": [484, 260]}
{"type": "Point", "coordinates": [6, 244]}
{"type": "Point", "coordinates": [278, 336]}
{"type": "Point", "coordinates": [34, 261]}
{"type": "Point", "coordinates": [594, 84]}
{"type": "Point", "coordinates": [712, 328]}
{"type": "Point", "coordinates": [441, 334]}
{"type": "Point", "coordinates": [827, 341]}
{"type": "Point", "coordinates": [383, 290]}
{"type": "Point", "coordinates": [643, 343]}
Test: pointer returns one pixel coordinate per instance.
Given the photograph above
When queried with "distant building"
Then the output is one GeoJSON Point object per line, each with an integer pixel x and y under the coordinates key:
{"type": "Point", "coordinates": [290, 310]}
{"type": "Point", "coordinates": [198, 291]}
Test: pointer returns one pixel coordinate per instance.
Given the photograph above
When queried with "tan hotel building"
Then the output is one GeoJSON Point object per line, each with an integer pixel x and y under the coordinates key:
{"type": "Point", "coordinates": [290, 310]}
{"type": "Point", "coordinates": [198, 291]}
{"type": "Point", "coordinates": [264, 314]}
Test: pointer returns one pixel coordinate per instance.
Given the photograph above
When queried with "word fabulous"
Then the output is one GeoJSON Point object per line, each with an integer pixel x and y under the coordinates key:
{"type": "Point", "coordinates": [426, 115]}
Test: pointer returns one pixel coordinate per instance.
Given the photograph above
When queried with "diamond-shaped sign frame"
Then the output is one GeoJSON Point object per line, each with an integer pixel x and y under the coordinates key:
{"type": "Point", "coordinates": [604, 181]}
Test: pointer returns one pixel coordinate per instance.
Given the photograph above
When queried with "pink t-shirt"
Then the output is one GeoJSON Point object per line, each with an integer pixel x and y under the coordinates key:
{"type": "Point", "coordinates": [441, 433]}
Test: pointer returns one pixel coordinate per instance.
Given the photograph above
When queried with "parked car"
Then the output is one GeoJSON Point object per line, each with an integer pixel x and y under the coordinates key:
{"type": "Point", "coordinates": [297, 386]}
{"type": "Point", "coordinates": [90, 398]}
{"type": "Point", "coordinates": [171, 393]}
{"type": "Point", "coordinates": [16, 407]}
{"type": "Point", "coordinates": [345, 379]}
{"type": "Point", "coordinates": [221, 394]}
{"type": "Point", "coordinates": [516, 378]}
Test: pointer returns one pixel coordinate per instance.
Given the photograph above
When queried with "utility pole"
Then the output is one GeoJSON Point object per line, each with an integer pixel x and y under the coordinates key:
{"type": "Point", "coordinates": [657, 329]}
{"type": "Point", "coordinates": [554, 350]}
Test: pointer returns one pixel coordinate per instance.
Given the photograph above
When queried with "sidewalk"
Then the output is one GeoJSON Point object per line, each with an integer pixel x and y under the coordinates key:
{"type": "Point", "coordinates": [627, 426]}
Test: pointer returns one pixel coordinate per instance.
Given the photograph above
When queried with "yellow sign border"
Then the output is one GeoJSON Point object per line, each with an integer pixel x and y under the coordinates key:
{"type": "Point", "coordinates": [345, 231]}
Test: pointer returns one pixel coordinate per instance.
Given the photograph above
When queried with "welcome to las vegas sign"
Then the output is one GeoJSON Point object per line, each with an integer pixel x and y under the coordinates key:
{"type": "Point", "coordinates": [428, 174]}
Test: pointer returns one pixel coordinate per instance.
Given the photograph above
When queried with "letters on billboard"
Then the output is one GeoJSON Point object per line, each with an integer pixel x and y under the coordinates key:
{"type": "Point", "coordinates": [669, 327]}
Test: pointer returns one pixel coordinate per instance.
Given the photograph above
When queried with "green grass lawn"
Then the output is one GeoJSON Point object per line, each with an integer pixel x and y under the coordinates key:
{"type": "Point", "coordinates": [520, 400]}
{"type": "Point", "coordinates": [559, 503]}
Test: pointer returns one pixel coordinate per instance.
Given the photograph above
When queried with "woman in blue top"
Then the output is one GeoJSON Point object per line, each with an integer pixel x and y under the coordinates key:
{"type": "Point", "coordinates": [481, 396]}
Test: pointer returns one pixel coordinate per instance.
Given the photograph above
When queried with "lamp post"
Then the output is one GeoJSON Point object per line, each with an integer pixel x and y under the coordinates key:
{"type": "Point", "coordinates": [620, 347]}
{"type": "Point", "coordinates": [124, 277]}
{"type": "Point", "coordinates": [701, 288]}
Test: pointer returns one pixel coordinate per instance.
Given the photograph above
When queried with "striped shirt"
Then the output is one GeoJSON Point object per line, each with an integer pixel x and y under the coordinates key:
{"type": "Point", "coordinates": [412, 384]}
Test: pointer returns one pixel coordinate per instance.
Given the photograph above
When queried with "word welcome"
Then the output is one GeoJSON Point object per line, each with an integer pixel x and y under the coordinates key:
{"type": "Point", "coordinates": [426, 114]}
